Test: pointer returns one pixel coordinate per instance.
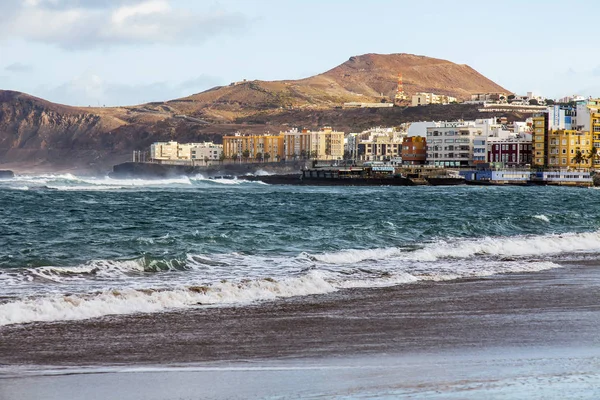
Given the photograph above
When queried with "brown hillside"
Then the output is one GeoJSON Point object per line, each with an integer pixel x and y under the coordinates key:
{"type": "Point", "coordinates": [373, 74]}
{"type": "Point", "coordinates": [38, 133]}
{"type": "Point", "coordinates": [362, 78]}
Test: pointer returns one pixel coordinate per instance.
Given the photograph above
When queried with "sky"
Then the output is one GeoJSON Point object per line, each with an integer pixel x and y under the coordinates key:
{"type": "Point", "coordinates": [123, 52]}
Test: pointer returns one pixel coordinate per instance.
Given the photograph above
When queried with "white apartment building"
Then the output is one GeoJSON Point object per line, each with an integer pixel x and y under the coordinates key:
{"type": "Point", "coordinates": [207, 151]}
{"type": "Point", "coordinates": [380, 144]}
{"type": "Point", "coordinates": [456, 144]}
{"type": "Point", "coordinates": [173, 151]}
{"type": "Point", "coordinates": [421, 99]}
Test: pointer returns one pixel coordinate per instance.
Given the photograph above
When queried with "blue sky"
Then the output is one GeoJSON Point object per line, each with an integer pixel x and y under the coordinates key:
{"type": "Point", "coordinates": [119, 52]}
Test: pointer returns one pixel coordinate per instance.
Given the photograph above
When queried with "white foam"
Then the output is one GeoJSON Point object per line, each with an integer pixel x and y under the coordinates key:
{"type": "Point", "coordinates": [499, 246]}
{"type": "Point", "coordinates": [130, 300]}
{"type": "Point", "coordinates": [58, 274]}
{"type": "Point", "coordinates": [542, 217]}
{"type": "Point", "coordinates": [127, 301]}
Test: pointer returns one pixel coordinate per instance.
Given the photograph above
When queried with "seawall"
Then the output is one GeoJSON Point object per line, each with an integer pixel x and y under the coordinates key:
{"type": "Point", "coordinates": [6, 174]}
{"type": "Point", "coordinates": [155, 170]}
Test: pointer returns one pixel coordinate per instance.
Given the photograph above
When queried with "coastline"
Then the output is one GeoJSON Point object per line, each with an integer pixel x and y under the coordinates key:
{"type": "Point", "coordinates": [471, 313]}
{"type": "Point", "coordinates": [472, 337]}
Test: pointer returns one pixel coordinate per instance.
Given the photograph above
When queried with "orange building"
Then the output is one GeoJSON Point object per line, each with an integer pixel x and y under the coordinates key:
{"type": "Point", "coordinates": [414, 150]}
{"type": "Point", "coordinates": [267, 147]}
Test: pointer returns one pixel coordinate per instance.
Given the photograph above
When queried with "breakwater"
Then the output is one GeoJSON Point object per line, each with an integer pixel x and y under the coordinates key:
{"type": "Point", "coordinates": [155, 170]}
{"type": "Point", "coordinates": [6, 174]}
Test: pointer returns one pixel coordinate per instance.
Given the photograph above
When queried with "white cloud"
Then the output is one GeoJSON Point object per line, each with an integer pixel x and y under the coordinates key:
{"type": "Point", "coordinates": [90, 89]}
{"type": "Point", "coordinates": [75, 25]}
{"type": "Point", "coordinates": [18, 67]}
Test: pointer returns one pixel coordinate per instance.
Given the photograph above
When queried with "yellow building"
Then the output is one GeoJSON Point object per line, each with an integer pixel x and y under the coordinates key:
{"type": "Point", "coordinates": [594, 108]}
{"type": "Point", "coordinates": [540, 132]}
{"type": "Point", "coordinates": [327, 144]}
{"type": "Point", "coordinates": [563, 146]}
{"type": "Point", "coordinates": [297, 144]}
{"type": "Point", "coordinates": [267, 147]}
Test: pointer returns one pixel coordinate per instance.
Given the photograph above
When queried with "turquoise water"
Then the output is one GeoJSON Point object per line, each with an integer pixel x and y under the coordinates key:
{"type": "Point", "coordinates": [77, 248]}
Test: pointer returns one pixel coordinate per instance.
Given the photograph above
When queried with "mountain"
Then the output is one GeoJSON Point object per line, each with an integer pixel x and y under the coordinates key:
{"type": "Point", "coordinates": [39, 135]}
{"type": "Point", "coordinates": [362, 78]}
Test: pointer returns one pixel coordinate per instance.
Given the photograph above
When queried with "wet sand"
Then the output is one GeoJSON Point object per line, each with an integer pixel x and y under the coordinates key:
{"type": "Point", "coordinates": [465, 327]}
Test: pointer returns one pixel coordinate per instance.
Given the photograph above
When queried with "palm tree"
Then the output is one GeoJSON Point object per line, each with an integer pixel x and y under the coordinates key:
{"type": "Point", "coordinates": [246, 154]}
{"type": "Point", "coordinates": [267, 156]}
{"type": "Point", "coordinates": [259, 156]}
{"type": "Point", "coordinates": [593, 155]}
{"type": "Point", "coordinates": [579, 158]}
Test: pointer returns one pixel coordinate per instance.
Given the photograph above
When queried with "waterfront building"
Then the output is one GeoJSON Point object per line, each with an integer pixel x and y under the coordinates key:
{"type": "Point", "coordinates": [511, 151]}
{"type": "Point", "coordinates": [297, 144]}
{"type": "Point", "coordinates": [260, 147]}
{"type": "Point", "coordinates": [593, 108]}
{"type": "Point", "coordinates": [563, 146]}
{"type": "Point", "coordinates": [382, 144]}
{"type": "Point", "coordinates": [414, 150]}
{"type": "Point", "coordinates": [164, 151]}
{"type": "Point", "coordinates": [459, 143]}
{"type": "Point", "coordinates": [540, 133]}
{"type": "Point", "coordinates": [565, 131]}
{"type": "Point", "coordinates": [327, 144]}
{"type": "Point", "coordinates": [173, 151]}
{"type": "Point", "coordinates": [207, 151]}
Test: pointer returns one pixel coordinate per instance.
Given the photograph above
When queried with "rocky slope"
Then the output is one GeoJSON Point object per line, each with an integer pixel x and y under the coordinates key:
{"type": "Point", "coordinates": [38, 135]}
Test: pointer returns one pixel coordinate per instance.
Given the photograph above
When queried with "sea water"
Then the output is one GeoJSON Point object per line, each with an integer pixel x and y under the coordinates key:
{"type": "Point", "coordinates": [74, 248]}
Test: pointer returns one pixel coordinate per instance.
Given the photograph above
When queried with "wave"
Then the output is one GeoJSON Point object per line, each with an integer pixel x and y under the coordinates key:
{"type": "Point", "coordinates": [542, 217]}
{"type": "Point", "coordinates": [71, 182]}
{"type": "Point", "coordinates": [503, 246]}
{"type": "Point", "coordinates": [149, 300]}
{"type": "Point", "coordinates": [224, 180]}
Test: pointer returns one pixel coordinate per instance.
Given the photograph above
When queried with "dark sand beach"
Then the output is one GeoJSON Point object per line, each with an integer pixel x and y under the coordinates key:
{"type": "Point", "coordinates": [516, 327]}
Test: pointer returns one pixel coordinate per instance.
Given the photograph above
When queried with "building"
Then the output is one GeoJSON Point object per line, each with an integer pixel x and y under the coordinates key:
{"type": "Point", "coordinates": [511, 151]}
{"type": "Point", "coordinates": [539, 140]}
{"type": "Point", "coordinates": [563, 146]}
{"type": "Point", "coordinates": [327, 144]}
{"type": "Point", "coordinates": [566, 132]}
{"type": "Point", "coordinates": [422, 99]}
{"type": "Point", "coordinates": [258, 147]}
{"type": "Point", "coordinates": [164, 151]}
{"type": "Point", "coordinates": [173, 151]}
{"type": "Point", "coordinates": [450, 144]}
{"type": "Point", "coordinates": [381, 144]}
{"type": "Point", "coordinates": [414, 150]}
{"type": "Point", "coordinates": [357, 104]}
{"type": "Point", "coordinates": [207, 151]}
{"type": "Point", "coordinates": [561, 117]}
{"type": "Point", "coordinates": [593, 107]}
{"type": "Point", "coordinates": [488, 98]}
{"type": "Point", "coordinates": [297, 144]}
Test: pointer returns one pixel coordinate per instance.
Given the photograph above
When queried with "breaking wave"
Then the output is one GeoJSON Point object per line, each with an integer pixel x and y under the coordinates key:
{"type": "Point", "coordinates": [515, 246]}
{"type": "Point", "coordinates": [150, 300]}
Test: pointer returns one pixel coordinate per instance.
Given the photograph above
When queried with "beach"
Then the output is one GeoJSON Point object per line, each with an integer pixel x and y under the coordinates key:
{"type": "Point", "coordinates": [193, 288]}
{"type": "Point", "coordinates": [460, 339]}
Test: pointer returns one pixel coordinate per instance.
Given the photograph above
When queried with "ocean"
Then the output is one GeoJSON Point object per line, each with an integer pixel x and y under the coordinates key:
{"type": "Point", "coordinates": [78, 252]}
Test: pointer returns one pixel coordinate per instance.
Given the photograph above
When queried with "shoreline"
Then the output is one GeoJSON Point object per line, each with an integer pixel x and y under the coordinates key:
{"type": "Point", "coordinates": [508, 336]}
{"type": "Point", "coordinates": [505, 310]}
